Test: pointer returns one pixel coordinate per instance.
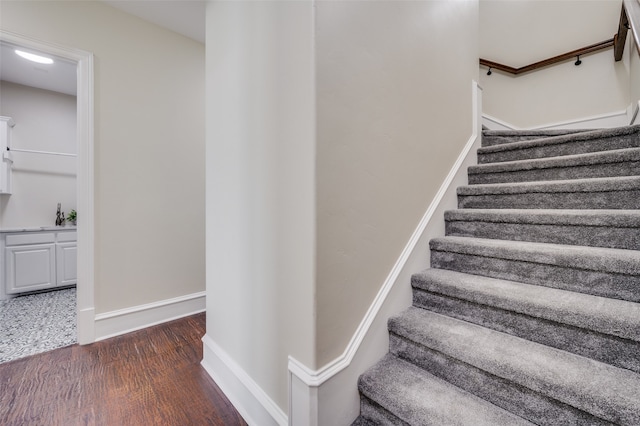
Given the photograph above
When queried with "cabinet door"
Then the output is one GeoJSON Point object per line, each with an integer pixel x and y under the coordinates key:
{"type": "Point", "coordinates": [66, 264]}
{"type": "Point", "coordinates": [30, 268]}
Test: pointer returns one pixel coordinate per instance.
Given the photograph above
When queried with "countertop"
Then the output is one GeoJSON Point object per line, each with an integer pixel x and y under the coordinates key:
{"type": "Point", "coordinates": [38, 229]}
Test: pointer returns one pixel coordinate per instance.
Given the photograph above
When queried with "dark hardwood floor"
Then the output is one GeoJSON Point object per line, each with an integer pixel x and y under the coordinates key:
{"type": "Point", "coordinates": [148, 377]}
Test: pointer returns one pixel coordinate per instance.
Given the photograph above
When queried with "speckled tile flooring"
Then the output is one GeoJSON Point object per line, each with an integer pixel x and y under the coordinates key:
{"type": "Point", "coordinates": [37, 323]}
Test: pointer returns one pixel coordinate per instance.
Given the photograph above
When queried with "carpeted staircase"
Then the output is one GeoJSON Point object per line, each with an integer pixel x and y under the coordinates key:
{"type": "Point", "coordinates": [530, 312]}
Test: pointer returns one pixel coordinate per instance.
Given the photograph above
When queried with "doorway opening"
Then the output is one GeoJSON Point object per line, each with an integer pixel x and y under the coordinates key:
{"type": "Point", "coordinates": [82, 62]}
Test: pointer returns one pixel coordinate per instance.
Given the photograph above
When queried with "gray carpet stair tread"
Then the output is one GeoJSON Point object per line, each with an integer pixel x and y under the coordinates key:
{"type": "Point", "coordinates": [605, 272]}
{"type": "Point", "coordinates": [590, 158]}
{"type": "Point", "coordinates": [596, 228]}
{"type": "Point", "coordinates": [533, 132]}
{"type": "Point", "coordinates": [496, 137]}
{"type": "Point", "coordinates": [531, 308]}
{"type": "Point", "coordinates": [563, 139]}
{"type": "Point", "coordinates": [361, 421]}
{"type": "Point", "coordinates": [595, 193]}
{"type": "Point", "coordinates": [609, 316]}
{"type": "Point", "coordinates": [609, 184]}
{"type": "Point", "coordinates": [419, 398]}
{"type": "Point", "coordinates": [575, 217]}
{"type": "Point", "coordinates": [594, 164]}
{"type": "Point", "coordinates": [579, 257]}
{"type": "Point", "coordinates": [604, 391]}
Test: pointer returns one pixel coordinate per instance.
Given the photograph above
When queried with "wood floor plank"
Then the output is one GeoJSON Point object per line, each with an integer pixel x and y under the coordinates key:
{"type": "Point", "coordinates": [148, 377]}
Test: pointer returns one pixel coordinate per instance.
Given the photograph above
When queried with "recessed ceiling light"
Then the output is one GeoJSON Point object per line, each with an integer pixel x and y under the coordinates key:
{"type": "Point", "coordinates": [35, 58]}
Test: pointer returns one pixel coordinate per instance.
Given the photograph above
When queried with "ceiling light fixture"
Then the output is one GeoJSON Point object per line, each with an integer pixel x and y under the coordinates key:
{"type": "Point", "coordinates": [34, 58]}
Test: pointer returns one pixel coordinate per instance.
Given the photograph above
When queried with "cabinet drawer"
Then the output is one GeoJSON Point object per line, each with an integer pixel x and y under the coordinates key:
{"type": "Point", "coordinates": [68, 236]}
{"type": "Point", "coordinates": [31, 238]}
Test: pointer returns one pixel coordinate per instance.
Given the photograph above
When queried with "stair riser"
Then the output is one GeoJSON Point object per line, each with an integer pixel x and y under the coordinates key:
{"type": "Point", "coordinates": [625, 199]}
{"type": "Point", "coordinates": [377, 415]}
{"type": "Point", "coordinates": [616, 286]}
{"type": "Point", "coordinates": [628, 168]}
{"type": "Point", "coordinates": [554, 150]}
{"type": "Point", "coordinates": [590, 344]}
{"type": "Point", "coordinates": [623, 238]}
{"type": "Point", "coordinates": [517, 399]}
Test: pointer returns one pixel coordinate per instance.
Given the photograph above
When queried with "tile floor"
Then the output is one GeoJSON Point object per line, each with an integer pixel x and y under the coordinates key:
{"type": "Point", "coordinates": [37, 323]}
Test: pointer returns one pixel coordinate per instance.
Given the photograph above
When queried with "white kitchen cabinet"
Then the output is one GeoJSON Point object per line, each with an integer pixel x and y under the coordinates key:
{"type": "Point", "coordinates": [39, 260]}
{"type": "Point", "coordinates": [30, 268]}
{"type": "Point", "coordinates": [66, 264]}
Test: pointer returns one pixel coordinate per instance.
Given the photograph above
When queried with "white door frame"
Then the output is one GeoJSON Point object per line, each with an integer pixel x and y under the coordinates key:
{"type": "Point", "coordinates": [85, 176]}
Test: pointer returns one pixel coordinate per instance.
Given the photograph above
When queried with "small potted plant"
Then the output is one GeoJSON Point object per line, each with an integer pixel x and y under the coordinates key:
{"type": "Point", "coordinates": [72, 217]}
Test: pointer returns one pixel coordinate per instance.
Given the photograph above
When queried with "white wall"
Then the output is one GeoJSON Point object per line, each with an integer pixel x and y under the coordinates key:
{"type": "Point", "coordinates": [344, 116]}
{"type": "Point", "coordinates": [394, 111]}
{"type": "Point", "coordinates": [45, 121]}
{"type": "Point", "coordinates": [149, 147]}
{"type": "Point", "coordinates": [518, 33]}
{"type": "Point", "coordinates": [260, 193]}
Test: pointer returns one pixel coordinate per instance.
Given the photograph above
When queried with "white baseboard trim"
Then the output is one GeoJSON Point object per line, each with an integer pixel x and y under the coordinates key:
{"type": "Point", "coordinates": [253, 404]}
{"type": "Point", "coordinates": [613, 119]}
{"type": "Point", "coordinates": [493, 123]}
{"type": "Point", "coordinates": [304, 406]}
{"type": "Point", "coordinates": [86, 334]}
{"type": "Point", "coordinates": [115, 323]}
{"type": "Point", "coordinates": [632, 112]}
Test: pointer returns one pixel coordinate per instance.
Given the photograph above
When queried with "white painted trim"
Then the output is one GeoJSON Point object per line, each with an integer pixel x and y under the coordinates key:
{"type": "Point", "coordinates": [305, 410]}
{"type": "Point", "coordinates": [612, 119]}
{"type": "Point", "coordinates": [496, 124]}
{"type": "Point", "coordinates": [253, 404]}
{"type": "Point", "coordinates": [121, 321]}
{"type": "Point", "coordinates": [85, 200]}
{"type": "Point", "coordinates": [85, 177]}
{"type": "Point", "coordinates": [634, 117]}
{"type": "Point", "coordinates": [86, 316]}
{"type": "Point", "coordinates": [303, 402]}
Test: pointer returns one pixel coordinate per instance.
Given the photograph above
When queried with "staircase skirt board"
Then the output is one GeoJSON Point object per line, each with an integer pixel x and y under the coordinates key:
{"type": "Point", "coordinates": [530, 311]}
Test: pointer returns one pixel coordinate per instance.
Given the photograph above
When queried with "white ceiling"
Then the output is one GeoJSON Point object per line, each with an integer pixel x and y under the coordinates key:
{"type": "Point", "coordinates": [186, 17]}
{"type": "Point", "coordinates": [58, 77]}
